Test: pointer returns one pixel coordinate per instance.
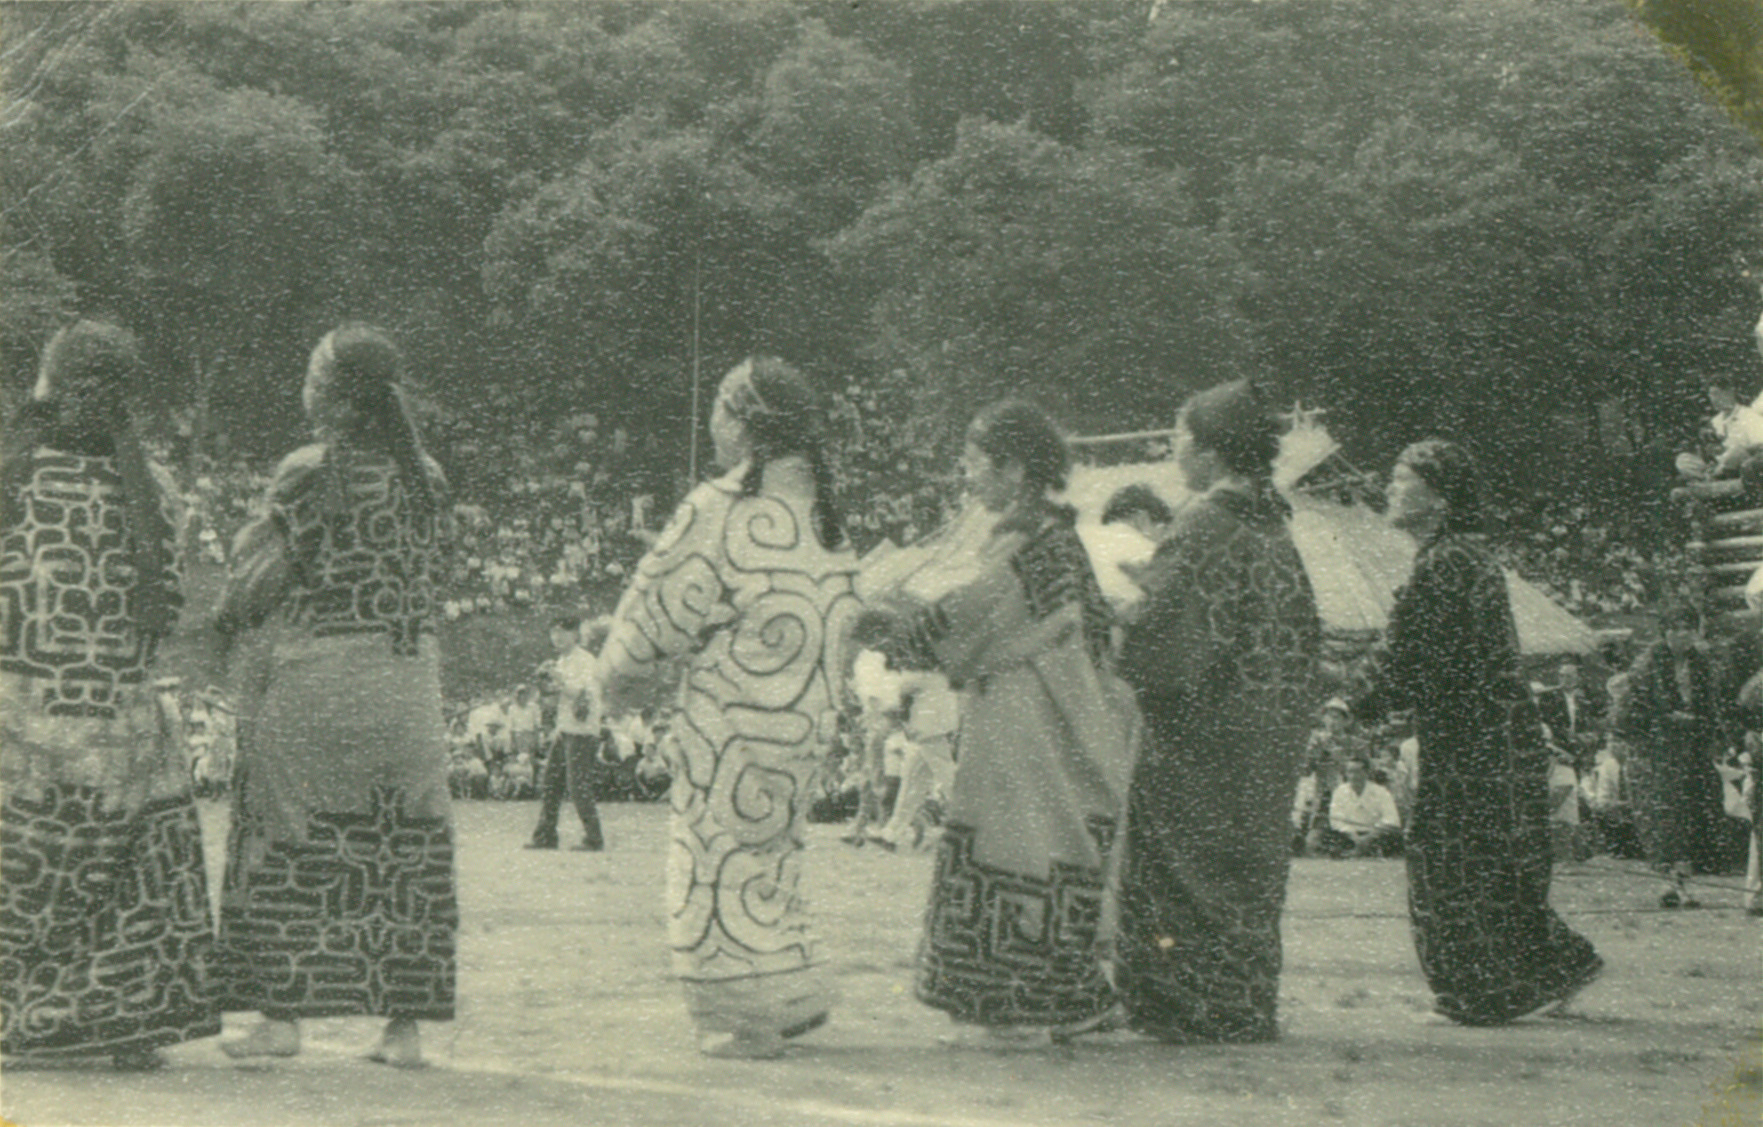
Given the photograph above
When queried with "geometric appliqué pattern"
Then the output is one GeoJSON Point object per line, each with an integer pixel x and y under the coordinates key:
{"type": "Point", "coordinates": [358, 917]}
{"type": "Point", "coordinates": [105, 932]}
{"type": "Point", "coordinates": [1001, 948]}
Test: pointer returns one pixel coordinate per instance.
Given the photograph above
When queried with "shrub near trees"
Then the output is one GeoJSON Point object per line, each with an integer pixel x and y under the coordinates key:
{"type": "Point", "coordinates": [1520, 223]}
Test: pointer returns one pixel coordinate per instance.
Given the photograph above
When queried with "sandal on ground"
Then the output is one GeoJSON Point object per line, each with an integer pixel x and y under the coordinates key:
{"type": "Point", "coordinates": [400, 1046]}
{"type": "Point", "coordinates": [267, 1039]}
{"type": "Point", "coordinates": [1105, 1022]}
{"type": "Point", "coordinates": [137, 1060]}
{"type": "Point", "coordinates": [996, 1038]}
{"type": "Point", "coordinates": [1589, 975]}
{"type": "Point", "coordinates": [736, 1046]}
{"type": "Point", "coordinates": [804, 1027]}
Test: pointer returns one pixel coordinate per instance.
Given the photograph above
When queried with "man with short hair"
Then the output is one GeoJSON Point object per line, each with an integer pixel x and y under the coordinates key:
{"type": "Point", "coordinates": [1138, 506]}
{"type": "Point", "coordinates": [1362, 817]}
{"type": "Point", "coordinates": [573, 763]}
{"type": "Point", "coordinates": [1574, 717]}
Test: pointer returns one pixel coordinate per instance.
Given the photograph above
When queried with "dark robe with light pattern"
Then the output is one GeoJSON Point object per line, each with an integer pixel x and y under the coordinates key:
{"type": "Point", "coordinates": [1224, 659]}
{"type": "Point", "coordinates": [1478, 846]}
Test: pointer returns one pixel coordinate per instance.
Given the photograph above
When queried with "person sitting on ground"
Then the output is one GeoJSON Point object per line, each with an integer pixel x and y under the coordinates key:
{"type": "Point", "coordinates": [487, 727]}
{"type": "Point", "coordinates": [1390, 771]}
{"type": "Point", "coordinates": [1306, 805]}
{"type": "Point", "coordinates": [1362, 817]}
{"type": "Point", "coordinates": [518, 775]}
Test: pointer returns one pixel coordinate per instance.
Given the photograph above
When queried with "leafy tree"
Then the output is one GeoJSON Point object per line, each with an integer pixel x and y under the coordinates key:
{"type": "Point", "coordinates": [1721, 41]}
{"type": "Point", "coordinates": [1017, 264]}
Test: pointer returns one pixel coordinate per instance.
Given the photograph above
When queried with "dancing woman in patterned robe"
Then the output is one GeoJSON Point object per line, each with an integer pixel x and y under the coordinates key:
{"type": "Point", "coordinates": [1223, 657]}
{"type": "Point", "coordinates": [105, 930]}
{"type": "Point", "coordinates": [1478, 846]}
{"type": "Point", "coordinates": [339, 897]}
{"type": "Point", "coordinates": [1020, 626]}
{"type": "Point", "coordinates": [751, 585]}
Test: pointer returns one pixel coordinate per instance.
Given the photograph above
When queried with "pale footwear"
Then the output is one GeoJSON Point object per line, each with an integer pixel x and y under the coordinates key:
{"type": "Point", "coordinates": [997, 1038]}
{"type": "Point", "coordinates": [267, 1039]}
{"type": "Point", "coordinates": [741, 1046]}
{"type": "Point", "coordinates": [400, 1045]}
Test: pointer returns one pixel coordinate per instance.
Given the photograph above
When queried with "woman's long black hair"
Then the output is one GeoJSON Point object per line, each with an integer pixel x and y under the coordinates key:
{"type": "Point", "coordinates": [88, 372]}
{"type": "Point", "coordinates": [788, 422]}
{"type": "Point", "coordinates": [359, 366]}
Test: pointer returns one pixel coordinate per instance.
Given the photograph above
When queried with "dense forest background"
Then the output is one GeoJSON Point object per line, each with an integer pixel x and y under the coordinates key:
{"type": "Point", "coordinates": [1518, 223]}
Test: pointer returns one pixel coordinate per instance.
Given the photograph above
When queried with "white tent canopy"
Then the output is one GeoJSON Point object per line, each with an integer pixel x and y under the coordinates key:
{"type": "Point", "coordinates": [1355, 560]}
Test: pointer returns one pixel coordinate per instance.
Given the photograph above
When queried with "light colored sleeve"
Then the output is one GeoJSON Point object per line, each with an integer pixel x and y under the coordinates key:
{"type": "Point", "coordinates": [1337, 807]}
{"type": "Point", "coordinates": [1387, 814]}
{"type": "Point", "coordinates": [675, 601]}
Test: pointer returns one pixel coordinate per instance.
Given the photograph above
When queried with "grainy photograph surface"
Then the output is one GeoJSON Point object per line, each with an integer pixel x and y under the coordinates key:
{"type": "Point", "coordinates": [891, 563]}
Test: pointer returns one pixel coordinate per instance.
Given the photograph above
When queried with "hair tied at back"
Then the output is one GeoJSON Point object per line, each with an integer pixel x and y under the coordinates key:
{"type": "Point", "coordinates": [359, 366]}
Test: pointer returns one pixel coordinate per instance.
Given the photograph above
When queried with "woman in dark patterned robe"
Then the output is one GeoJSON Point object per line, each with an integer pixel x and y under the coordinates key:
{"type": "Point", "coordinates": [338, 897]}
{"type": "Point", "coordinates": [1224, 658]}
{"type": "Point", "coordinates": [1019, 625]}
{"type": "Point", "coordinates": [1478, 846]}
{"type": "Point", "coordinates": [1676, 720]}
{"type": "Point", "coordinates": [105, 930]}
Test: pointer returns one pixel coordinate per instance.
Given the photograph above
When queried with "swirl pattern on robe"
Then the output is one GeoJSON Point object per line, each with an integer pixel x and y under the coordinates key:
{"type": "Point", "coordinates": [741, 588]}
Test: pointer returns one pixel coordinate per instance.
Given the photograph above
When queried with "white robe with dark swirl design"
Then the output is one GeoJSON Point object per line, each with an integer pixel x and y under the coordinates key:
{"type": "Point", "coordinates": [742, 589]}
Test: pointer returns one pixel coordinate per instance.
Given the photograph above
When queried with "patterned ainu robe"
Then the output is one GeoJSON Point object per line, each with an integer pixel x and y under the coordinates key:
{"type": "Point", "coordinates": [1224, 659]}
{"type": "Point", "coordinates": [740, 589]}
{"type": "Point", "coordinates": [1478, 846]}
{"type": "Point", "coordinates": [1020, 626]}
{"type": "Point", "coordinates": [105, 931]}
{"type": "Point", "coordinates": [339, 896]}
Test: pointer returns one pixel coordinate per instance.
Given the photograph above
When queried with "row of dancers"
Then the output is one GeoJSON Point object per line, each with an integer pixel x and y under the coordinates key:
{"type": "Point", "coordinates": [1116, 845]}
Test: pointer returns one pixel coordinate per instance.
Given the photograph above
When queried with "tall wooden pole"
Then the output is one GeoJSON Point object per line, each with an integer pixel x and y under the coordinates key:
{"type": "Point", "coordinates": [697, 375]}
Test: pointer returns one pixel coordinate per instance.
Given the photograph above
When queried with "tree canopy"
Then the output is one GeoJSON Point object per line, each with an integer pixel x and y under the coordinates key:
{"type": "Point", "coordinates": [1524, 225]}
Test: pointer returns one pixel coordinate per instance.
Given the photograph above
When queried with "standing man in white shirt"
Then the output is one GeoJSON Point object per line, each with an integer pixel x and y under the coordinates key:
{"type": "Point", "coordinates": [573, 763]}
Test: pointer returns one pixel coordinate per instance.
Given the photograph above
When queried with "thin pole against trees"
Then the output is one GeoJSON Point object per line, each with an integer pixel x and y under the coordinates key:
{"type": "Point", "coordinates": [697, 305]}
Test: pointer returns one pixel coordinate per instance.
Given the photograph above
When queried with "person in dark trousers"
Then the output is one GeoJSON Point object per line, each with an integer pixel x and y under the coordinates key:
{"type": "Point", "coordinates": [573, 764]}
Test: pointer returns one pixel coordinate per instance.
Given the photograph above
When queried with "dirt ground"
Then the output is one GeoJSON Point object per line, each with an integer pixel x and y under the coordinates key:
{"type": "Point", "coordinates": [567, 1016]}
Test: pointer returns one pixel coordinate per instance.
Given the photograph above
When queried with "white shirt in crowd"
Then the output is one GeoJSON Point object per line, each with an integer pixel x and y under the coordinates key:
{"type": "Point", "coordinates": [1602, 785]}
{"type": "Point", "coordinates": [894, 754]}
{"type": "Point", "coordinates": [630, 736]}
{"type": "Point", "coordinates": [936, 708]}
{"type": "Point", "coordinates": [877, 686]}
{"type": "Point", "coordinates": [1358, 814]}
{"type": "Point", "coordinates": [1304, 802]}
{"type": "Point", "coordinates": [578, 679]}
{"type": "Point", "coordinates": [523, 717]}
{"type": "Point", "coordinates": [1564, 781]}
{"type": "Point", "coordinates": [488, 724]}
